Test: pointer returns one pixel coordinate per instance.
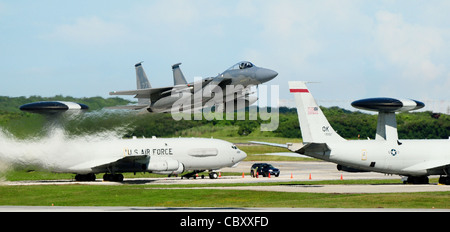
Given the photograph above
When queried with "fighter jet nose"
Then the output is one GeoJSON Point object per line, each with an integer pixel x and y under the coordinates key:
{"type": "Point", "coordinates": [265, 75]}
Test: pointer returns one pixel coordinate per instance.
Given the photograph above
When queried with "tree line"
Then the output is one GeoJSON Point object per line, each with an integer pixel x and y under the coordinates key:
{"type": "Point", "coordinates": [349, 124]}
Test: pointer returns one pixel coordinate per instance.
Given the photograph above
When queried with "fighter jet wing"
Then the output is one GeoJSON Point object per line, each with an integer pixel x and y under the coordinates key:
{"type": "Point", "coordinates": [143, 93]}
{"type": "Point", "coordinates": [221, 81]}
{"type": "Point", "coordinates": [152, 92]}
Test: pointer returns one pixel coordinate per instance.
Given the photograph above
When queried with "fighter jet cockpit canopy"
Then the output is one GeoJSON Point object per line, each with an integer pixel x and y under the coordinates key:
{"type": "Point", "coordinates": [241, 65]}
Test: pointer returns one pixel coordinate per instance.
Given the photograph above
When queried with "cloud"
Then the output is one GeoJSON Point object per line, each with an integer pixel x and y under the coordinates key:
{"type": "Point", "coordinates": [411, 48]}
{"type": "Point", "coordinates": [89, 31]}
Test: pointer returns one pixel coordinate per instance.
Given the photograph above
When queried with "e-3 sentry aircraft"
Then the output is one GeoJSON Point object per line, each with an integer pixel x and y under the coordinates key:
{"type": "Point", "coordinates": [228, 88]}
{"type": "Point", "coordinates": [414, 159]}
{"type": "Point", "coordinates": [114, 156]}
{"type": "Point", "coordinates": [157, 155]}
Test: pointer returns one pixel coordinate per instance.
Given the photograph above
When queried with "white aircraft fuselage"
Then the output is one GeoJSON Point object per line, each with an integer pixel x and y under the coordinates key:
{"type": "Point", "coordinates": [156, 155]}
{"type": "Point", "coordinates": [411, 158]}
{"type": "Point", "coordinates": [415, 159]}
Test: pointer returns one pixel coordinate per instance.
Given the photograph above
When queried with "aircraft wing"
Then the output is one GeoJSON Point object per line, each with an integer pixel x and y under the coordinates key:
{"type": "Point", "coordinates": [101, 164]}
{"type": "Point", "coordinates": [121, 162]}
{"type": "Point", "coordinates": [143, 93]}
{"type": "Point", "coordinates": [271, 144]}
{"type": "Point", "coordinates": [299, 147]}
{"type": "Point", "coordinates": [154, 93]}
{"type": "Point", "coordinates": [221, 81]}
{"type": "Point", "coordinates": [309, 147]}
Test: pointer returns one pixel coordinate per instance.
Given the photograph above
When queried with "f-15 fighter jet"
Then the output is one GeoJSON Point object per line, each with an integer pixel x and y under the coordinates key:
{"type": "Point", "coordinates": [229, 87]}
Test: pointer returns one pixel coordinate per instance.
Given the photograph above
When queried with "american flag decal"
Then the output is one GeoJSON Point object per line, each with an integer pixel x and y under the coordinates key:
{"type": "Point", "coordinates": [313, 110]}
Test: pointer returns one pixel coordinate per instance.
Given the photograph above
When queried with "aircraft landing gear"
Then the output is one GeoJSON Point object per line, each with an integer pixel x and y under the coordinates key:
{"type": "Point", "coordinates": [193, 174]}
{"type": "Point", "coordinates": [85, 177]}
{"type": "Point", "coordinates": [212, 175]}
{"type": "Point", "coordinates": [416, 180]}
{"type": "Point", "coordinates": [113, 177]}
{"type": "Point", "coordinates": [444, 180]}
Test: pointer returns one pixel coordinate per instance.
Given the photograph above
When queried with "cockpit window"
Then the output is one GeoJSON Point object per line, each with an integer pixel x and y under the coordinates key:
{"type": "Point", "coordinates": [245, 65]}
{"type": "Point", "coordinates": [234, 147]}
{"type": "Point", "coordinates": [241, 65]}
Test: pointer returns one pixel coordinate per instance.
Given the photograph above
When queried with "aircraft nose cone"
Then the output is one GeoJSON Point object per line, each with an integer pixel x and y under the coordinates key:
{"type": "Point", "coordinates": [242, 156]}
{"type": "Point", "coordinates": [265, 75]}
{"type": "Point", "coordinates": [239, 155]}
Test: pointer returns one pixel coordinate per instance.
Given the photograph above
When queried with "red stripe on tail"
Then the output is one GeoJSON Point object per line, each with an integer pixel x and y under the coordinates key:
{"type": "Point", "coordinates": [299, 90]}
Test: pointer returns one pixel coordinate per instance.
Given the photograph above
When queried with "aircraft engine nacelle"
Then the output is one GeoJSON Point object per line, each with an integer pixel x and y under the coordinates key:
{"type": "Point", "coordinates": [157, 164]}
{"type": "Point", "coordinates": [178, 171]}
{"type": "Point", "coordinates": [349, 169]}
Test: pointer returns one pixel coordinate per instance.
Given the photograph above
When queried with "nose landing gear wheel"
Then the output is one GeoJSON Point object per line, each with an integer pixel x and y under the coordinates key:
{"type": "Point", "coordinates": [213, 175]}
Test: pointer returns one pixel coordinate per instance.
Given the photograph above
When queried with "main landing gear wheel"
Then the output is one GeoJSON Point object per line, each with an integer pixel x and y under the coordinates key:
{"type": "Point", "coordinates": [85, 177]}
{"type": "Point", "coordinates": [444, 180]}
{"type": "Point", "coordinates": [113, 177]}
{"type": "Point", "coordinates": [417, 180]}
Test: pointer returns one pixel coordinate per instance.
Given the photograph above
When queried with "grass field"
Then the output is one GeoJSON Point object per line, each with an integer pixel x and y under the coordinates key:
{"type": "Point", "coordinates": [141, 195]}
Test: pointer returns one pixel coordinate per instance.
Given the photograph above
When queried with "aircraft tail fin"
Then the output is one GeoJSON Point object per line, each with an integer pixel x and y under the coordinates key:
{"type": "Point", "coordinates": [314, 126]}
{"type": "Point", "coordinates": [178, 77]}
{"type": "Point", "coordinates": [141, 78]}
{"type": "Point", "coordinates": [142, 82]}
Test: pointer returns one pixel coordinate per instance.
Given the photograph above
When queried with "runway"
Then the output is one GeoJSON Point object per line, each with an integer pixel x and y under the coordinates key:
{"type": "Point", "coordinates": [290, 172]}
{"type": "Point", "coordinates": [288, 181]}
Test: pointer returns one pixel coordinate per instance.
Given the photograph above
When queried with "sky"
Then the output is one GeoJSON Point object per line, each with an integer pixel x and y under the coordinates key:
{"type": "Point", "coordinates": [354, 48]}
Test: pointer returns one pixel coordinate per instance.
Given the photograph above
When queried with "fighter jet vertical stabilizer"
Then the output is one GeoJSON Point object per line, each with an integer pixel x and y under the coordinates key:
{"type": "Point", "coordinates": [141, 78]}
{"type": "Point", "coordinates": [142, 82]}
{"type": "Point", "coordinates": [178, 77]}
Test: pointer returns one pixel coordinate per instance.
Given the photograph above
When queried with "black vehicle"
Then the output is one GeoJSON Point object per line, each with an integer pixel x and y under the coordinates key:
{"type": "Point", "coordinates": [264, 169]}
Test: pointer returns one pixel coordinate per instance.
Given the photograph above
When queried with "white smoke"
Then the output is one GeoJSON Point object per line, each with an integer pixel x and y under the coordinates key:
{"type": "Point", "coordinates": [57, 150]}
